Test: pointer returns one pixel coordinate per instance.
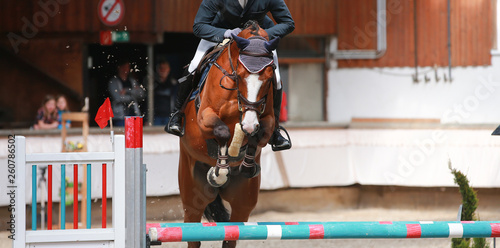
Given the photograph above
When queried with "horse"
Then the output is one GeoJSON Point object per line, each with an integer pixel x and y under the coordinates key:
{"type": "Point", "coordinates": [236, 102]}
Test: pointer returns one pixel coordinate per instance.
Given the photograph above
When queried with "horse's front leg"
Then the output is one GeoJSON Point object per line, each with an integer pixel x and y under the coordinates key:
{"type": "Point", "coordinates": [267, 126]}
{"type": "Point", "coordinates": [219, 175]}
{"type": "Point", "coordinates": [212, 125]}
{"type": "Point", "coordinates": [249, 168]}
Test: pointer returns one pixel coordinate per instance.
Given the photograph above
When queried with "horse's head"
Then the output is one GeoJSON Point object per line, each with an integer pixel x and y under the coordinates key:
{"type": "Point", "coordinates": [255, 76]}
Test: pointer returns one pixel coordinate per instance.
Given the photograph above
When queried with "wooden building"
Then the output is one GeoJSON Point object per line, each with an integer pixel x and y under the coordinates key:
{"type": "Point", "coordinates": [53, 46]}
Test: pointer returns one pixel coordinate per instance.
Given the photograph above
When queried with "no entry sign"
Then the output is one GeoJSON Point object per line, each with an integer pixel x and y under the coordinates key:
{"type": "Point", "coordinates": [111, 12]}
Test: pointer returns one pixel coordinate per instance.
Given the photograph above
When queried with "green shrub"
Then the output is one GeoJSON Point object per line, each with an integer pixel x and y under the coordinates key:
{"type": "Point", "coordinates": [469, 206]}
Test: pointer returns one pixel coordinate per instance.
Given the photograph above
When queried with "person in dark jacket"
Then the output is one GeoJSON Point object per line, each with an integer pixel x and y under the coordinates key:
{"type": "Point", "coordinates": [164, 88]}
{"type": "Point", "coordinates": [217, 20]}
{"type": "Point", "coordinates": [125, 92]}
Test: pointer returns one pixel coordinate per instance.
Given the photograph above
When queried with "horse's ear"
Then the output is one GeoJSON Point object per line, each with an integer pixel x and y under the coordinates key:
{"type": "Point", "coordinates": [241, 42]}
{"type": "Point", "coordinates": [272, 44]}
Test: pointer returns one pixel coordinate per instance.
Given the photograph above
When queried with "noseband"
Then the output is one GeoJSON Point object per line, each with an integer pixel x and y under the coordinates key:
{"type": "Point", "coordinates": [243, 103]}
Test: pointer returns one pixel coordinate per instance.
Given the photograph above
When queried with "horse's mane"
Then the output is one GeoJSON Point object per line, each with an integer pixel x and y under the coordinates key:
{"type": "Point", "coordinates": [253, 26]}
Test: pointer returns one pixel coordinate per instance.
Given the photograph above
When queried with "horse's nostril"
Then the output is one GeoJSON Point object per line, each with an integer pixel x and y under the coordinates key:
{"type": "Point", "coordinates": [248, 129]}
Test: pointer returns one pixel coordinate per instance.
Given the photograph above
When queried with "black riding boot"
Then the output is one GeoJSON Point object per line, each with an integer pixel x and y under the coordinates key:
{"type": "Point", "coordinates": [175, 125]}
{"type": "Point", "coordinates": [277, 141]}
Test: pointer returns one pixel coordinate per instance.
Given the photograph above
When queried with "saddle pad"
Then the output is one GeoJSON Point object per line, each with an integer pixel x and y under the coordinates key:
{"type": "Point", "coordinates": [201, 83]}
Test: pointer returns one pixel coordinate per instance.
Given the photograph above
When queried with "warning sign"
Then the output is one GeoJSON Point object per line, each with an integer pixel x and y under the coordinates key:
{"type": "Point", "coordinates": [111, 12]}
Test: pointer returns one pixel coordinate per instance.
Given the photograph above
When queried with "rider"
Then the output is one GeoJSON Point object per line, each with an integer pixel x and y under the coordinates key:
{"type": "Point", "coordinates": [219, 19]}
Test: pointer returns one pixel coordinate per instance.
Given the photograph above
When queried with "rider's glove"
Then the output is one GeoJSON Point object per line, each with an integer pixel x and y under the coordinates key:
{"type": "Point", "coordinates": [228, 32]}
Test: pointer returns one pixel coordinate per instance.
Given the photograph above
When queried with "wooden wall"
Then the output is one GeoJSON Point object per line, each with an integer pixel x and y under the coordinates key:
{"type": "Point", "coordinates": [177, 15]}
{"type": "Point", "coordinates": [472, 32]}
{"type": "Point", "coordinates": [316, 17]}
{"type": "Point", "coordinates": [74, 16]}
{"type": "Point", "coordinates": [357, 24]}
{"type": "Point", "coordinates": [61, 59]}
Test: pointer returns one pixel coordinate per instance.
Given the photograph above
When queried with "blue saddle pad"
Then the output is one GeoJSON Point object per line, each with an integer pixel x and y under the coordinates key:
{"type": "Point", "coordinates": [201, 83]}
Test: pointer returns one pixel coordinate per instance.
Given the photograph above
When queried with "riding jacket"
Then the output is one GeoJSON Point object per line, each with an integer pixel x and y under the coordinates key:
{"type": "Point", "coordinates": [214, 17]}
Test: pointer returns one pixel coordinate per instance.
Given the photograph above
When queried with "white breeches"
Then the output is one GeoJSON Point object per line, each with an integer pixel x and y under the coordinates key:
{"type": "Point", "coordinates": [205, 45]}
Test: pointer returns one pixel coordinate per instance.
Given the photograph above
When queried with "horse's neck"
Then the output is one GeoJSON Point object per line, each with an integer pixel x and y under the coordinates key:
{"type": "Point", "coordinates": [212, 89]}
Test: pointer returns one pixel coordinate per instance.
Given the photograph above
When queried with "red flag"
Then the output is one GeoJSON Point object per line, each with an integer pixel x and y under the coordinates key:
{"type": "Point", "coordinates": [103, 114]}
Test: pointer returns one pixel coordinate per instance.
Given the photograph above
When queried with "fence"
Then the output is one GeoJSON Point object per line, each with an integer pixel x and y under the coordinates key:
{"type": "Point", "coordinates": [128, 194]}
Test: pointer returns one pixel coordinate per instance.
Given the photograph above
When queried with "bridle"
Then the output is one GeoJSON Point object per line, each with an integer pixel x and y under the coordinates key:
{"type": "Point", "coordinates": [243, 103]}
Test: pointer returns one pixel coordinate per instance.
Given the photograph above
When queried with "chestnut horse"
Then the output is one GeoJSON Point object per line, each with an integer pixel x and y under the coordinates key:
{"type": "Point", "coordinates": [234, 93]}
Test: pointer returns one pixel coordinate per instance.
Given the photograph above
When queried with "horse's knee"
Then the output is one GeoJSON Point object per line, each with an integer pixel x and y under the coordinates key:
{"type": "Point", "coordinates": [222, 133]}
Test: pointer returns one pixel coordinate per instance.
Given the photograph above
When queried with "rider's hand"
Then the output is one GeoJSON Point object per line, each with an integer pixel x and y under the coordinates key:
{"type": "Point", "coordinates": [229, 32]}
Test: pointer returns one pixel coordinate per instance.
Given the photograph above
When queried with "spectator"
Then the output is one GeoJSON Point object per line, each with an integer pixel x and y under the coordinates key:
{"type": "Point", "coordinates": [126, 93]}
{"type": "Point", "coordinates": [46, 116]}
{"type": "Point", "coordinates": [62, 107]}
{"type": "Point", "coordinates": [164, 92]}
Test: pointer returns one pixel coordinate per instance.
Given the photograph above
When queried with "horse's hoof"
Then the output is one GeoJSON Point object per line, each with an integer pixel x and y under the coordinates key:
{"type": "Point", "coordinates": [218, 180]}
{"type": "Point", "coordinates": [250, 171]}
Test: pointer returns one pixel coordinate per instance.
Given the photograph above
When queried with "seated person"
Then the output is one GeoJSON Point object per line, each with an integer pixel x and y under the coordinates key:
{"type": "Point", "coordinates": [62, 107]}
{"type": "Point", "coordinates": [46, 117]}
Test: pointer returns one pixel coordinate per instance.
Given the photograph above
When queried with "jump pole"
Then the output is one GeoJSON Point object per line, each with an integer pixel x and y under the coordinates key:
{"type": "Point", "coordinates": [323, 230]}
{"type": "Point", "coordinates": [136, 183]}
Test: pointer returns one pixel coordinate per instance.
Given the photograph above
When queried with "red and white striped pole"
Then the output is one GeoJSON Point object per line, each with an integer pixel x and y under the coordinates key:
{"type": "Point", "coordinates": [136, 183]}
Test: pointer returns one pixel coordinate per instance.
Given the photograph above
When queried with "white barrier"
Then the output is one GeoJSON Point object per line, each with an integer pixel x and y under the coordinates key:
{"type": "Point", "coordinates": [109, 237]}
{"type": "Point", "coordinates": [128, 188]}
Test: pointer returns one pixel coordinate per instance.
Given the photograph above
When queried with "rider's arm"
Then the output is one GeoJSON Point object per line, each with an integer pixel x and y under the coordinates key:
{"type": "Point", "coordinates": [283, 18]}
{"type": "Point", "coordinates": [202, 27]}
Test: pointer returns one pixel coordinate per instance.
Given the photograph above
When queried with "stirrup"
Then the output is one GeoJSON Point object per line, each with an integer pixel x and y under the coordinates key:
{"type": "Point", "coordinates": [280, 148]}
{"type": "Point", "coordinates": [181, 127]}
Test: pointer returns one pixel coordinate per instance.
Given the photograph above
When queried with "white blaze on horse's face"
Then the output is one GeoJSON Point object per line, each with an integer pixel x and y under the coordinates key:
{"type": "Point", "coordinates": [250, 121]}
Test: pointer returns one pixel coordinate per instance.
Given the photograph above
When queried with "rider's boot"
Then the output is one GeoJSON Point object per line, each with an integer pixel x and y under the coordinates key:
{"type": "Point", "coordinates": [277, 141]}
{"type": "Point", "coordinates": [175, 125]}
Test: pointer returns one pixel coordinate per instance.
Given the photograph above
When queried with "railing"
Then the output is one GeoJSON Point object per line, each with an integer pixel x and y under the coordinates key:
{"type": "Point", "coordinates": [99, 237]}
